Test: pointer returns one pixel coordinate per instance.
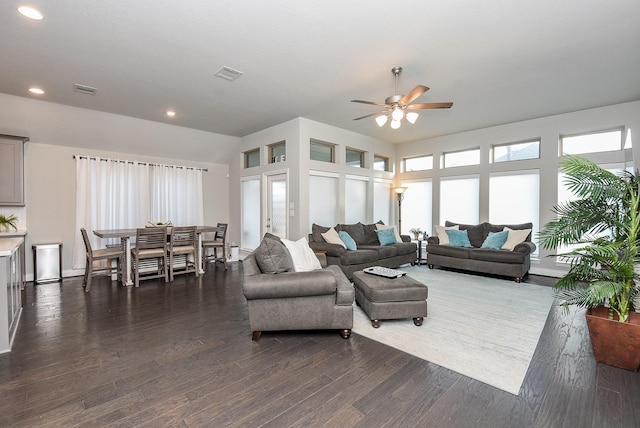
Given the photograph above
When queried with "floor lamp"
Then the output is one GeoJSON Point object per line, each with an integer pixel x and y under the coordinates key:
{"type": "Point", "coordinates": [399, 191]}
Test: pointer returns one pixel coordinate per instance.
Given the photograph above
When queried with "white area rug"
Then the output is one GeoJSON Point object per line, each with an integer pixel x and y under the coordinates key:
{"type": "Point", "coordinates": [483, 328]}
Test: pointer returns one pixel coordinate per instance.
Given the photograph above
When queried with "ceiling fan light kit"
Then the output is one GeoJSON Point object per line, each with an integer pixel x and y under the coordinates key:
{"type": "Point", "coordinates": [396, 105]}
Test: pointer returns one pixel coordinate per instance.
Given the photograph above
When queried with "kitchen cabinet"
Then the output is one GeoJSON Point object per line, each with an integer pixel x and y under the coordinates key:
{"type": "Point", "coordinates": [11, 279]}
{"type": "Point", "coordinates": [12, 170]}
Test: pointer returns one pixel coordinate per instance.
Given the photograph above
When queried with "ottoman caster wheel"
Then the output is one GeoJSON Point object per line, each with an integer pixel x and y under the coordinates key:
{"type": "Point", "coordinates": [375, 323]}
{"type": "Point", "coordinates": [417, 321]}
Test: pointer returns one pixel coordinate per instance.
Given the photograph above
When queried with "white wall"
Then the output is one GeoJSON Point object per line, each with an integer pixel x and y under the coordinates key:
{"type": "Point", "coordinates": [58, 132]}
{"type": "Point", "coordinates": [548, 129]}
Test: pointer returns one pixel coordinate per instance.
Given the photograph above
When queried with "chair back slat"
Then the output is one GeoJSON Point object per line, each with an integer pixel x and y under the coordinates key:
{"type": "Point", "coordinates": [221, 234]}
{"type": "Point", "coordinates": [151, 237]}
{"type": "Point", "coordinates": [183, 236]}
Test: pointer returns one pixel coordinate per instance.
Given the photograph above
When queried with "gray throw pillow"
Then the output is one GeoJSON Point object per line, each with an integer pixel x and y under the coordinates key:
{"type": "Point", "coordinates": [273, 257]}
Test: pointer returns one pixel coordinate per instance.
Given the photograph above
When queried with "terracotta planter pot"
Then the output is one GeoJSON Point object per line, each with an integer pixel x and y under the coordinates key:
{"type": "Point", "coordinates": [614, 343]}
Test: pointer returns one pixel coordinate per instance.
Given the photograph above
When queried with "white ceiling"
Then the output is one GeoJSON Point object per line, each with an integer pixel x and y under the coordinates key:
{"type": "Point", "coordinates": [499, 61]}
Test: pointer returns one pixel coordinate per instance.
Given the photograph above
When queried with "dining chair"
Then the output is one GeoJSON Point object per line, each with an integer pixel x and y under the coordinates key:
{"type": "Point", "coordinates": [95, 259]}
{"type": "Point", "coordinates": [183, 242]}
{"type": "Point", "coordinates": [151, 243]}
{"type": "Point", "coordinates": [219, 242]}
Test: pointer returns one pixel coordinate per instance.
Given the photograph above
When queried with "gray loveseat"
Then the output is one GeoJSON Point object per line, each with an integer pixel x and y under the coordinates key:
{"type": "Point", "coordinates": [512, 263]}
{"type": "Point", "coordinates": [369, 252]}
{"type": "Point", "coordinates": [280, 299]}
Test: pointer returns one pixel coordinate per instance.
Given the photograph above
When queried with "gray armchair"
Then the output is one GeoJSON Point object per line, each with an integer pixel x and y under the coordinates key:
{"type": "Point", "coordinates": [320, 299]}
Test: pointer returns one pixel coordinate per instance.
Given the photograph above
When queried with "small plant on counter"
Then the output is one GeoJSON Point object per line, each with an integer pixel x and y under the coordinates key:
{"type": "Point", "coordinates": [416, 231]}
{"type": "Point", "coordinates": [7, 222]}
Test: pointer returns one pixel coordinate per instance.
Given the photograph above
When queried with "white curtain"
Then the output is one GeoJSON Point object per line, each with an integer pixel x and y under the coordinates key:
{"type": "Point", "coordinates": [176, 195]}
{"type": "Point", "coordinates": [110, 194]}
{"type": "Point", "coordinates": [115, 194]}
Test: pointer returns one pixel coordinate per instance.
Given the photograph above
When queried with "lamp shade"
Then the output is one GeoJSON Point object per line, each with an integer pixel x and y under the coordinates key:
{"type": "Point", "coordinates": [399, 190]}
{"type": "Point", "coordinates": [412, 117]}
{"type": "Point", "coordinates": [381, 120]}
{"type": "Point", "coordinates": [395, 124]}
{"type": "Point", "coordinates": [397, 114]}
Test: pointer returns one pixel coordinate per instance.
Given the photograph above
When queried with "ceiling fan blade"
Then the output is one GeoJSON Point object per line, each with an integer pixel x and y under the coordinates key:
{"type": "Point", "coordinates": [420, 106]}
{"type": "Point", "coordinates": [372, 114]}
{"type": "Point", "coordinates": [413, 94]}
{"type": "Point", "coordinates": [369, 102]}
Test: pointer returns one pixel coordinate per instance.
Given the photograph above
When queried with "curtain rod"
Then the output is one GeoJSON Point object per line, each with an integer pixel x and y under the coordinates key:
{"type": "Point", "coordinates": [139, 162]}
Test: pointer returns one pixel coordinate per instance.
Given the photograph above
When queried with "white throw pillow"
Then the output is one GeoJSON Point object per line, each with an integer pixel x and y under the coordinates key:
{"type": "Point", "coordinates": [332, 237]}
{"type": "Point", "coordinates": [442, 235]}
{"type": "Point", "coordinates": [515, 238]}
{"type": "Point", "coordinates": [304, 260]}
{"type": "Point", "coordinates": [395, 230]}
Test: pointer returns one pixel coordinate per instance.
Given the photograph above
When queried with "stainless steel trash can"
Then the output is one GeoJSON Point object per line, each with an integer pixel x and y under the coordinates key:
{"type": "Point", "coordinates": [47, 263]}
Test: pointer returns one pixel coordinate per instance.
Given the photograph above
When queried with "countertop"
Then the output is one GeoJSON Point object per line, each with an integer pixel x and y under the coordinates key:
{"type": "Point", "coordinates": [7, 245]}
{"type": "Point", "coordinates": [13, 233]}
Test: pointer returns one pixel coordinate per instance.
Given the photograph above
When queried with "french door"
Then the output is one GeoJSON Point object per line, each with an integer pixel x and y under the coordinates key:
{"type": "Point", "coordinates": [277, 205]}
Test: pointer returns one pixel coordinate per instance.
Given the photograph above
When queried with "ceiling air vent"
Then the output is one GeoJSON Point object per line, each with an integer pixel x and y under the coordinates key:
{"type": "Point", "coordinates": [228, 73]}
{"type": "Point", "coordinates": [84, 89]}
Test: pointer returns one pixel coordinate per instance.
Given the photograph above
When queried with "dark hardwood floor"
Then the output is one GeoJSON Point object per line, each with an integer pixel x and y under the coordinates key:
{"type": "Point", "coordinates": [181, 355]}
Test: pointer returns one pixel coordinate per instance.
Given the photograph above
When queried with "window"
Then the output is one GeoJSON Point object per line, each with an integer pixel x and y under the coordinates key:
{"type": "Point", "coordinates": [382, 201]}
{"type": "Point", "coordinates": [459, 199]}
{"type": "Point", "coordinates": [277, 152]}
{"type": "Point", "coordinates": [323, 210]}
{"type": "Point", "coordinates": [252, 158]}
{"type": "Point", "coordinates": [250, 208]}
{"type": "Point", "coordinates": [516, 151]}
{"type": "Point", "coordinates": [355, 200]}
{"type": "Point", "coordinates": [321, 151]}
{"type": "Point", "coordinates": [461, 158]}
{"type": "Point", "coordinates": [514, 197]}
{"type": "Point", "coordinates": [355, 158]}
{"type": "Point", "coordinates": [380, 163]}
{"type": "Point", "coordinates": [418, 163]}
{"type": "Point", "coordinates": [416, 207]}
{"type": "Point", "coordinates": [603, 141]}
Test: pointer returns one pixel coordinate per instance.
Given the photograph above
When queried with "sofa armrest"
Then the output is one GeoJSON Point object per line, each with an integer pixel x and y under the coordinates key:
{"type": "Point", "coordinates": [333, 250]}
{"type": "Point", "coordinates": [405, 238]}
{"type": "Point", "coordinates": [289, 284]}
{"type": "Point", "coordinates": [433, 240]}
{"type": "Point", "coordinates": [525, 248]}
{"type": "Point", "coordinates": [345, 291]}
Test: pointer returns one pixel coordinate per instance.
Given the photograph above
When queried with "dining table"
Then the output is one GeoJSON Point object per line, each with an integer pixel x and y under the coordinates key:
{"type": "Point", "coordinates": [125, 236]}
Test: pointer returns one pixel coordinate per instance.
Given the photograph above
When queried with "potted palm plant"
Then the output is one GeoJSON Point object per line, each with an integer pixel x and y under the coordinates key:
{"type": "Point", "coordinates": [416, 231]}
{"type": "Point", "coordinates": [602, 225]}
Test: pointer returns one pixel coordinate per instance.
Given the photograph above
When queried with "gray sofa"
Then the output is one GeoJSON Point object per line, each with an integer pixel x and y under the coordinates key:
{"type": "Point", "coordinates": [512, 263]}
{"type": "Point", "coordinates": [369, 252]}
{"type": "Point", "coordinates": [286, 300]}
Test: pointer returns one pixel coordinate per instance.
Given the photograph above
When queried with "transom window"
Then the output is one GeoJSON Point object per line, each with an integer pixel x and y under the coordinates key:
{"type": "Point", "coordinates": [380, 163]}
{"type": "Point", "coordinates": [354, 158]}
{"type": "Point", "coordinates": [602, 141]}
{"type": "Point", "coordinates": [516, 151]}
{"type": "Point", "coordinates": [322, 151]}
{"type": "Point", "coordinates": [417, 163]}
{"type": "Point", "coordinates": [277, 152]}
{"type": "Point", "coordinates": [252, 158]}
{"type": "Point", "coordinates": [461, 158]}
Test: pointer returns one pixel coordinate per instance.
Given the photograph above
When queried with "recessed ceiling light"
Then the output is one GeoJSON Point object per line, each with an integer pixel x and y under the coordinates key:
{"type": "Point", "coordinates": [36, 91]}
{"type": "Point", "coordinates": [171, 113]}
{"type": "Point", "coordinates": [31, 13]}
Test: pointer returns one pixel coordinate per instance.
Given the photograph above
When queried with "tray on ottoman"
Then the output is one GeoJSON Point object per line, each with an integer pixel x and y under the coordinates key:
{"type": "Point", "coordinates": [390, 298]}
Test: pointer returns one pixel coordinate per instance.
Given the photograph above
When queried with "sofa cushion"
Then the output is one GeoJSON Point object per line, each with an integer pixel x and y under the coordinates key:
{"type": "Point", "coordinates": [495, 240]}
{"type": "Point", "coordinates": [458, 238]}
{"type": "Point", "coordinates": [317, 231]}
{"type": "Point", "coordinates": [273, 257]}
{"type": "Point", "coordinates": [384, 251]}
{"type": "Point", "coordinates": [395, 231]}
{"type": "Point", "coordinates": [475, 232]}
{"type": "Point", "coordinates": [500, 256]}
{"type": "Point", "coordinates": [515, 237]}
{"type": "Point", "coordinates": [304, 260]}
{"type": "Point", "coordinates": [443, 238]}
{"type": "Point", "coordinates": [348, 241]}
{"type": "Point", "coordinates": [332, 237]}
{"type": "Point", "coordinates": [449, 251]}
{"type": "Point", "coordinates": [358, 256]}
{"type": "Point", "coordinates": [386, 237]}
{"type": "Point", "coordinates": [405, 248]}
{"type": "Point", "coordinates": [356, 231]}
{"type": "Point", "coordinates": [370, 235]}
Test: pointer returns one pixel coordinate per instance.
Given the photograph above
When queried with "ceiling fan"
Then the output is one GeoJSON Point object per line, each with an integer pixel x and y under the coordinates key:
{"type": "Point", "coordinates": [399, 106]}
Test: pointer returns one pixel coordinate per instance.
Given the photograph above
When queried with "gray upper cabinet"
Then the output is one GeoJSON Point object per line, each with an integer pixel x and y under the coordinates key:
{"type": "Point", "coordinates": [12, 170]}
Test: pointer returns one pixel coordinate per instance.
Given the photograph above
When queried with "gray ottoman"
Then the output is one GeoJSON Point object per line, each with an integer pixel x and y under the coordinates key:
{"type": "Point", "coordinates": [384, 298]}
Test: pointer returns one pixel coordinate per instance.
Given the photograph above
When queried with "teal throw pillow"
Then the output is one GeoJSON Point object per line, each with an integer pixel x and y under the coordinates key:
{"type": "Point", "coordinates": [458, 238]}
{"type": "Point", "coordinates": [386, 236]}
{"type": "Point", "coordinates": [348, 240]}
{"type": "Point", "coordinates": [495, 240]}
